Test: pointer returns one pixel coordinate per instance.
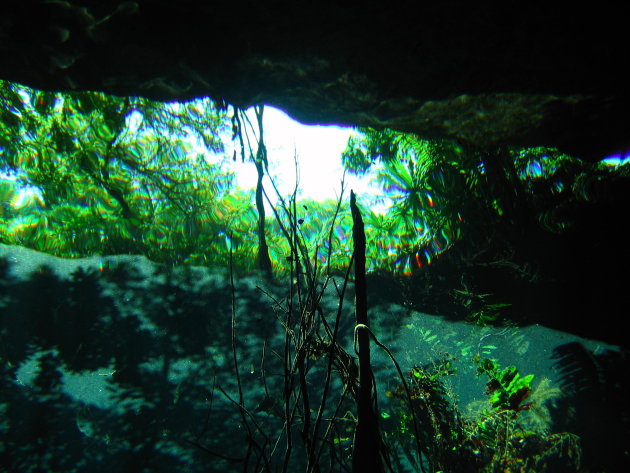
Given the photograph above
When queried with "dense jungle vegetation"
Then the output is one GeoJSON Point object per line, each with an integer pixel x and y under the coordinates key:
{"type": "Point", "coordinates": [468, 233]}
{"type": "Point", "coordinates": [86, 173]}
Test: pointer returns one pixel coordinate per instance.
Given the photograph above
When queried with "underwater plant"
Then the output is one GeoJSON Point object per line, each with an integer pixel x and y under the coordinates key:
{"type": "Point", "coordinates": [495, 437]}
{"type": "Point", "coordinates": [538, 416]}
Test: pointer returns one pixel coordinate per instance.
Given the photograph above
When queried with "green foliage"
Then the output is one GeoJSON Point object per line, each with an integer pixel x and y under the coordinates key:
{"type": "Point", "coordinates": [496, 439]}
{"type": "Point", "coordinates": [87, 173]}
{"type": "Point", "coordinates": [507, 388]}
{"type": "Point", "coordinates": [556, 184]}
{"type": "Point", "coordinates": [442, 194]}
{"type": "Point", "coordinates": [367, 148]}
{"type": "Point", "coordinates": [440, 426]}
{"type": "Point", "coordinates": [538, 417]}
{"type": "Point", "coordinates": [430, 185]}
{"type": "Point", "coordinates": [327, 249]}
{"type": "Point", "coordinates": [488, 314]}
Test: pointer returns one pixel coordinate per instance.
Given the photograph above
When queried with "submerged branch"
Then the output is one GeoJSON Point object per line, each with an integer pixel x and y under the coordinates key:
{"type": "Point", "coordinates": [366, 455]}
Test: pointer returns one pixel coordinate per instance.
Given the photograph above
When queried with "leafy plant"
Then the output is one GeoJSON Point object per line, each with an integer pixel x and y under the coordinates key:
{"type": "Point", "coordinates": [538, 417]}
{"type": "Point", "coordinates": [507, 389]}
{"type": "Point", "coordinates": [495, 439]}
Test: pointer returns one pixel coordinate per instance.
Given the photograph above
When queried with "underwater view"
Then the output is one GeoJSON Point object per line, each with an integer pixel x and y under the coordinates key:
{"type": "Point", "coordinates": [186, 288]}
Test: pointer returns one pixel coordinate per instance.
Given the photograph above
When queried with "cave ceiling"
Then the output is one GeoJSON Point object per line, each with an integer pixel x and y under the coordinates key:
{"type": "Point", "coordinates": [486, 74]}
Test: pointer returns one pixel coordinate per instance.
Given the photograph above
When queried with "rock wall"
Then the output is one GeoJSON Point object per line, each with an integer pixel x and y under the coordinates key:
{"type": "Point", "coordinates": [485, 75]}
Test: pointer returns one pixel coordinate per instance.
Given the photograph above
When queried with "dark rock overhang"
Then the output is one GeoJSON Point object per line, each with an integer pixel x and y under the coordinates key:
{"type": "Point", "coordinates": [485, 74]}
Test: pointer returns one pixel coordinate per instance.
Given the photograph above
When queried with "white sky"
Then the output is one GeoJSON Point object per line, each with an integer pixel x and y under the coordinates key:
{"type": "Point", "coordinates": [319, 155]}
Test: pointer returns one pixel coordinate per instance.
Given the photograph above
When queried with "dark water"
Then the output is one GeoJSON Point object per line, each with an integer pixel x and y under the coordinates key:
{"type": "Point", "coordinates": [118, 364]}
